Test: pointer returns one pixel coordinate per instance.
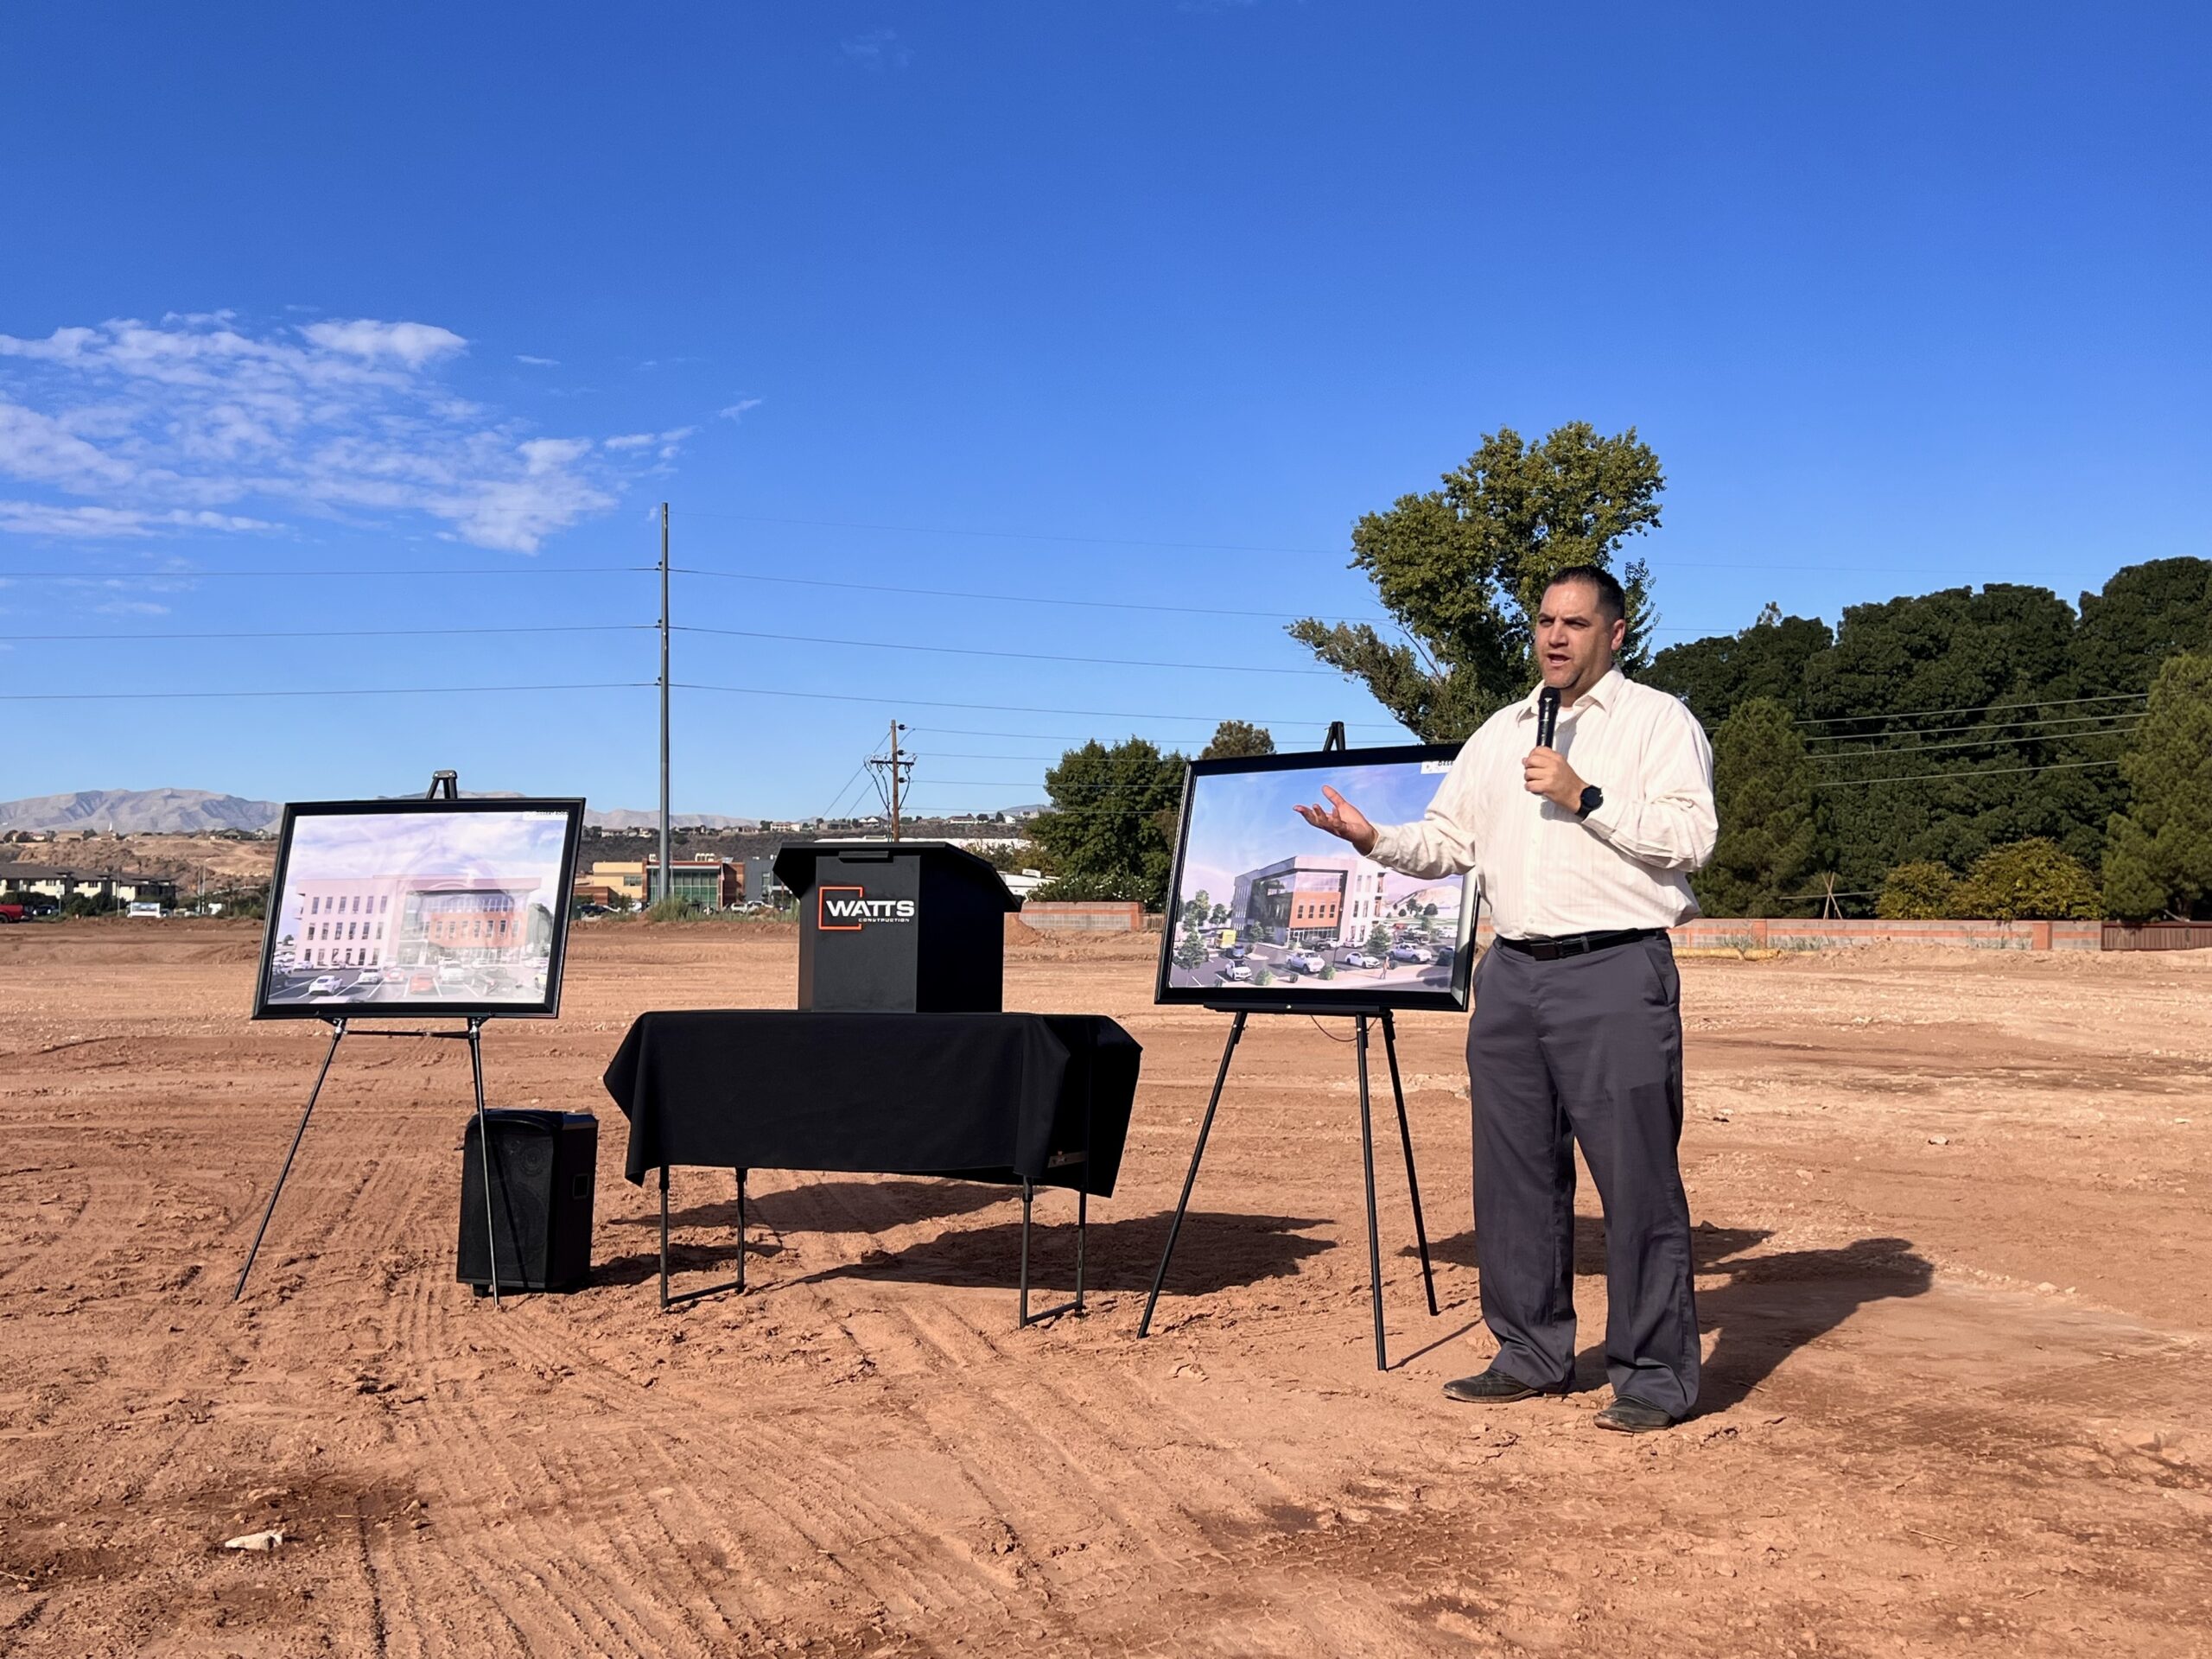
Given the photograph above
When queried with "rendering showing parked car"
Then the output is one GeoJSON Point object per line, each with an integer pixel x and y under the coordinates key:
{"type": "Point", "coordinates": [1409, 953]}
{"type": "Point", "coordinates": [1305, 961]}
{"type": "Point", "coordinates": [1237, 971]}
{"type": "Point", "coordinates": [1359, 959]}
{"type": "Point", "coordinates": [324, 985]}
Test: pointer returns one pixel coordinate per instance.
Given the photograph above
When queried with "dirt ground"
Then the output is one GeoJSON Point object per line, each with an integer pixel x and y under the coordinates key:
{"type": "Point", "coordinates": [1954, 1271]}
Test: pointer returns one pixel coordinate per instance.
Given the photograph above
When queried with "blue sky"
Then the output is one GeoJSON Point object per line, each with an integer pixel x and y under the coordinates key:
{"type": "Point", "coordinates": [1139, 304]}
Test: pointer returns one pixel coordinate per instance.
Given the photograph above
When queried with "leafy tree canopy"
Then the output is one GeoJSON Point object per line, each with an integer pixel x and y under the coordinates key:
{"type": "Point", "coordinates": [2158, 856]}
{"type": "Point", "coordinates": [1110, 830]}
{"type": "Point", "coordinates": [1461, 569]}
{"type": "Point", "coordinates": [1768, 659]}
{"type": "Point", "coordinates": [1763, 790]}
{"type": "Point", "coordinates": [1237, 739]}
{"type": "Point", "coordinates": [2029, 880]}
{"type": "Point", "coordinates": [1920, 891]}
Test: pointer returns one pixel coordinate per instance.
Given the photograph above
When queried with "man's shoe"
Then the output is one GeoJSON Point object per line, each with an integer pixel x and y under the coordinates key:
{"type": "Point", "coordinates": [1489, 1388]}
{"type": "Point", "coordinates": [1628, 1416]}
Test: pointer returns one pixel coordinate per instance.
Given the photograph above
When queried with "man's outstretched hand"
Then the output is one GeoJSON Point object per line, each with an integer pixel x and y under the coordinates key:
{"type": "Point", "coordinates": [1341, 819]}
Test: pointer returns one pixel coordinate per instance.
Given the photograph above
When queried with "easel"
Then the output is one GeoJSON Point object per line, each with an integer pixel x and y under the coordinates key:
{"type": "Point", "coordinates": [1361, 1015]}
{"type": "Point", "coordinates": [444, 785]}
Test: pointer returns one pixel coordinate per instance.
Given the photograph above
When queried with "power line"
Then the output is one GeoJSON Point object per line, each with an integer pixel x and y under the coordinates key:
{"type": "Point", "coordinates": [1016, 656]}
{"type": "Point", "coordinates": [1983, 726]}
{"type": "Point", "coordinates": [1019, 535]}
{"type": "Point", "coordinates": [362, 691]}
{"type": "Point", "coordinates": [1963, 776]}
{"type": "Point", "coordinates": [1012, 599]}
{"type": "Point", "coordinates": [1969, 709]}
{"type": "Point", "coordinates": [1972, 743]}
{"type": "Point", "coordinates": [340, 634]}
{"type": "Point", "coordinates": [93, 578]}
{"type": "Point", "coordinates": [1977, 726]}
{"type": "Point", "coordinates": [1018, 709]}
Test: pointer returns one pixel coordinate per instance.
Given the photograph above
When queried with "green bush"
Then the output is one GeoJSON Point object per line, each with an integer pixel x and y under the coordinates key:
{"type": "Point", "coordinates": [1921, 892]}
{"type": "Point", "coordinates": [2031, 880]}
{"type": "Point", "coordinates": [672, 910]}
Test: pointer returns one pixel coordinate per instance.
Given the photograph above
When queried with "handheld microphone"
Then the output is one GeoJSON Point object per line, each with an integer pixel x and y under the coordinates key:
{"type": "Point", "coordinates": [1547, 715]}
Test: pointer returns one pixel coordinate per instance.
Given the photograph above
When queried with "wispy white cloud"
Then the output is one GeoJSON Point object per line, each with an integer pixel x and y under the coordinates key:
{"type": "Point", "coordinates": [200, 422]}
{"type": "Point", "coordinates": [736, 411]}
{"type": "Point", "coordinates": [877, 49]}
{"type": "Point", "coordinates": [537, 362]}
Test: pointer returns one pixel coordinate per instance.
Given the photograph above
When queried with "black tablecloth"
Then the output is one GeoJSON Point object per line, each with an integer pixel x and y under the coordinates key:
{"type": "Point", "coordinates": [981, 1096]}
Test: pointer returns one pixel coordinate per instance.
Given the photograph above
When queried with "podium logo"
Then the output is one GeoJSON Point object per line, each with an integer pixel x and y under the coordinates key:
{"type": "Point", "coordinates": [848, 910]}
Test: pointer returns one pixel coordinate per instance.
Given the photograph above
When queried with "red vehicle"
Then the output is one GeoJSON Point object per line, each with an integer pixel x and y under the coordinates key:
{"type": "Point", "coordinates": [12, 913]}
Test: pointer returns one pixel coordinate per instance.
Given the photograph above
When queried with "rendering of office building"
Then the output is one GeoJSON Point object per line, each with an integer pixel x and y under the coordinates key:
{"type": "Point", "coordinates": [407, 921]}
{"type": "Point", "coordinates": [1318, 902]}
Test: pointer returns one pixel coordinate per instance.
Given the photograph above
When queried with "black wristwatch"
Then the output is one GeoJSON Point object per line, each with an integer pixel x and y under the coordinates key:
{"type": "Point", "coordinates": [1592, 799]}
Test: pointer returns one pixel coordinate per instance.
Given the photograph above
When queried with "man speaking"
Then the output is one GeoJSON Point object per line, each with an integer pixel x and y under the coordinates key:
{"type": "Point", "coordinates": [1581, 840]}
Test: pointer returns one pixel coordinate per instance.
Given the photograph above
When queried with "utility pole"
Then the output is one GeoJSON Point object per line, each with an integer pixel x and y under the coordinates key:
{"type": "Point", "coordinates": [897, 768]}
{"type": "Point", "coordinates": [667, 875]}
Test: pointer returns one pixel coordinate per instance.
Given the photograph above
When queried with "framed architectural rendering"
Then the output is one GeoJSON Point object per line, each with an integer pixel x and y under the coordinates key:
{"type": "Point", "coordinates": [418, 907]}
{"type": "Point", "coordinates": [1267, 912]}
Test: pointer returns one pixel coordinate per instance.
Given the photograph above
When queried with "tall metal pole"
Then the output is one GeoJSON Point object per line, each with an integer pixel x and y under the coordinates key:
{"type": "Point", "coordinates": [667, 883]}
{"type": "Point", "coordinates": [894, 780]}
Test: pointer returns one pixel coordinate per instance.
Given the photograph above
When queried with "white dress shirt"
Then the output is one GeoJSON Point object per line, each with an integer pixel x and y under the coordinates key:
{"type": "Point", "coordinates": [1545, 872]}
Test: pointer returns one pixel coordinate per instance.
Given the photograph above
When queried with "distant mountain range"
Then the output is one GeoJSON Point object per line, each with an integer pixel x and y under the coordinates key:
{"type": "Point", "coordinates": [198, 811]}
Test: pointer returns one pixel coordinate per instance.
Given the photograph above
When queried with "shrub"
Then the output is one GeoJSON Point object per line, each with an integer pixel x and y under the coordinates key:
{"type": "Point", "coordinates": [672, 910]}
{"type": "Point", "coordinates": [2031, 880]}
{"type": "Point", "coordinates": [1922, 892]}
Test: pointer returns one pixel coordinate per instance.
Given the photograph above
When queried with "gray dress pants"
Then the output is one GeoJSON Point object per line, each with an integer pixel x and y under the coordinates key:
{"type": "Point", "coordinates": [1583, 1049]}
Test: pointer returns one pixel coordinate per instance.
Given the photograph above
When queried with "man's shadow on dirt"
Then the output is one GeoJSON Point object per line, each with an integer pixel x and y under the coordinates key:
{"type": "Point", "coordinates": [1765, 1308]}
{"type": "Point", "coordinates": [1218, 1251]}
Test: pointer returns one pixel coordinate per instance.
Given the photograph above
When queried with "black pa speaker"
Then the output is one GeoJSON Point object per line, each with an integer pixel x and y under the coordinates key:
{"type": "Point", "coordinates": [544, 1164]}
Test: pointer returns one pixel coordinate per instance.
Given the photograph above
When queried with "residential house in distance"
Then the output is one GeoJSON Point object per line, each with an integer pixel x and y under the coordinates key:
{"type": "Point", "coordinates": [62, 885]}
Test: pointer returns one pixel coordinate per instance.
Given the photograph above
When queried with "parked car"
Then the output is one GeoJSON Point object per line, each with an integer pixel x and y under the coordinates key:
{"type": "Point", "coordinates": [1359, 959]}
{"type": "Point", "coordinates": [1305, 961]}
{"type": "Point", "coordinates": [1236, 952]}
{"type": "Point", "coordinates": [369, 976]}
{"type": "Point", "coordinates": [422, 982]}
{"type": "Point", "coordinates": [1237, 970]}
{"type": "Point", "coordinates": [323, 985]}
{"type": "Point", "coordinates": [1409, 953]}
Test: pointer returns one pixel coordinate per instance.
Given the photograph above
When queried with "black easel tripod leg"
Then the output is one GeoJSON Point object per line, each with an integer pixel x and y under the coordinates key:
{"type": "Point", "coordinates": [1405, 1140]}
{"type": "Point", "coordinates": [1374, 1236]}
{"type": "Point", "coordinates": [337, 1031]}
{"type": "Point", "coordinates": [1205, 1127]}
{"type": "Point", "coordinates": [484, 1145]}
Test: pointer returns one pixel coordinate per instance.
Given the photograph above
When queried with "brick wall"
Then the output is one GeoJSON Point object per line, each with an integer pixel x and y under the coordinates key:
{"type": "Point", "coordinates": [1786, 934]}
{"type": "Point", "coordinates": [1084, 915]}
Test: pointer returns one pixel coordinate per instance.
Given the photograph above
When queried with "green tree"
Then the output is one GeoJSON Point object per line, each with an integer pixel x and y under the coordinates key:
{"type": "Point", "coordinates": [1111, 825]}
{"type": "Point", "coordinates": [2030, 880]}
{"type": "Point", "coordinates": [1920, 891]}
{"type": "Point", "coordinates": [2159, 853]}
{"type": "Point", "coordinates": [1233, 740]}
{"type": "Point", "coordinates": [1762, 790]}
{"type": "Point", "coordinates": [1934, 730]}
{"type": "Point", "coordinates": [1191, 947]}
{"type": "Point", "coordinates": [1768, 659]}
{"type": "Point", "coordinates": [1460, 571]}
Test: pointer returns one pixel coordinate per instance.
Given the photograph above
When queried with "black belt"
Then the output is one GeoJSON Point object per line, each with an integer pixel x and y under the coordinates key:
{"type": "Point", "coordinates": [1580, 944]}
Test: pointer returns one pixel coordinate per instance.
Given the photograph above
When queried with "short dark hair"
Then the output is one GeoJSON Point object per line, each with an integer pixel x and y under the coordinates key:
{"type": "Point", "coordinates": [1611, 599]}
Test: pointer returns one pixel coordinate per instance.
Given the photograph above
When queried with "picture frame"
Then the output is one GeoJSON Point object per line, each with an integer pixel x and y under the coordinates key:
{"type": "Point", "coordinates": [471, 922]}
{"type": "Point", "coordinates": [1304, 910]}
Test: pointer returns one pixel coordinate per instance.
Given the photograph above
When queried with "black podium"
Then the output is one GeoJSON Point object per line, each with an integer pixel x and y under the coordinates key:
{"type": "Point", "coordinates": [897, 927]}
